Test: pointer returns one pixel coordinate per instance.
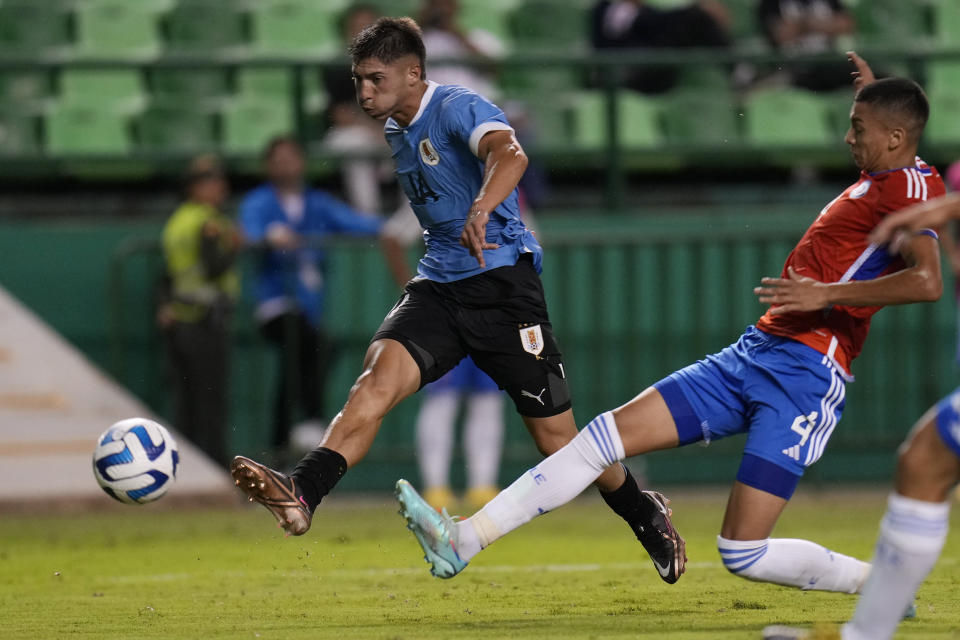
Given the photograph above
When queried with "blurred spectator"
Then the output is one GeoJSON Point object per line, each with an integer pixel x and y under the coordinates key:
{"type": "Point", "coordinates": [288, 220]}
{"type": "Point", "coordinates": [200, 245]}
{"type": "Point", "coordinates": [351, 131]}
{"type": "Point", "coordinates": [483, 426]}
{"type": "Point", "coordinates": [444, 38]}
{"type": "Point", "coordinates": [808, 27]}
{"type": "Point", "coordinates": [483, 423]}
{"type": "Point", "coordinates": [633, 24]}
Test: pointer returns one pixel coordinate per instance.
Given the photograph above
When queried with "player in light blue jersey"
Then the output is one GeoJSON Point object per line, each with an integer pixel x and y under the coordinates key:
{"type": "Point", "coordinates": [439, 169]}
{"type": "Point", "coordinates": [477, 292]}
{"type": "Point", "coordinates": [914, 528]}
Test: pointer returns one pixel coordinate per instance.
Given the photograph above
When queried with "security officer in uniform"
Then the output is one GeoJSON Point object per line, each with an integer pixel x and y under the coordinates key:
{"type": "Point", "coordinates": [200, 245]}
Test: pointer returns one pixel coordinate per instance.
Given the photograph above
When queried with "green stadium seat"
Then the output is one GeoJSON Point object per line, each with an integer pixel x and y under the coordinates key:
{"type": "Point", "coordinates": [551, 122]}
{"type": "Point", "coordinates": [704, 77]}
{"type": "Point", "coordinates": [539, 80]}
{"type": "Point", "coordinates": [294, 27]}
{"type": "Point", "coordinates": [176, 129]}
{"type": "Point", "coordinates": [315, 97]}
{"type": "Point", "coordinates": [492, 17]}
{"type": "Point", "coordinates": [699, 118]}
{"type": "Point", "coordinates": [18, 133]}
{"type": "Point", "coordinates": [249, 123]}
{"type": "Point", "coordinates": [944, 125]}
{"type": "Point", "coordinates": [838, 105]}
{"type": "Point", "coordinates": [26, 91]}
{"type": "Point", "coordinates": [786, 116]}
{"type": "Point", "coordinates": [943, 77]}
{"type": "Point", "coordinates": [638, 121]}
{"type": "Point", "coordinates": [891, 23]}
{"type": "Point", "coordinates": [946, 21]}
{"type": "Point", "coordinates": [34, 29]}
{"type": "Point", "coordinates": [117, 29]}
{"type": "Point", "coordinates": [743, 20]}
{"type": "Point", "coordinates": [268, 82]}
{"type": "Point", "coordinates": [398, 7]}
{"type": "Point", "coordinates": [204, 87]}
{"type": "Point", "coordinates": [201, 26]}
{"type": "Point", "coordinates": [549, 25]}
{"type": "Point", "coordinates": [278, 84]}
{"type": "Point", "coordinates": [85, 129]}
{"type": "Point", "coordinates": [118, 90]}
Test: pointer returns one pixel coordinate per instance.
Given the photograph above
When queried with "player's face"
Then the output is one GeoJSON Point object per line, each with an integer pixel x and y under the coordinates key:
{"type": "Point", "coordinates": [384, 89]}
{"type": "Point", "coordinates": [869, 137]}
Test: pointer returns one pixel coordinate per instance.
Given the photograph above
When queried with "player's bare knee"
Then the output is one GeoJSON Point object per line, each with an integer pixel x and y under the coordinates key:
{"type": "Point", "coordinates": [551, 434]}
{"type": "Point", "coordinates": [913, 463]}
{"type": "Point", "coordinates": [551, 444]}
{"type": "Point", "coordinates": [926, 469]}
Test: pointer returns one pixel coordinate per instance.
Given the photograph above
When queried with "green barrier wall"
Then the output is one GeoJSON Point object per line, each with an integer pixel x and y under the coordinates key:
{"type": "Point", "coordinates": [631, 299]}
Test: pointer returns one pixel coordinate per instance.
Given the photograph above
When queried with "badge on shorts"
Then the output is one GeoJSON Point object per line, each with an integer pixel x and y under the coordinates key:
{"type": "Point", "coordinates": [428, 153]}
{"type": "Point", "coordinates": [532, 339]}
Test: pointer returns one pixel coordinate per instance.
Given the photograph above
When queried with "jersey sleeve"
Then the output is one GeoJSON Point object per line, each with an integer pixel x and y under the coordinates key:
{"type": "Point", "coordinates": [469, 116]}
{"type": "Point", "coordinates": [342, 218]}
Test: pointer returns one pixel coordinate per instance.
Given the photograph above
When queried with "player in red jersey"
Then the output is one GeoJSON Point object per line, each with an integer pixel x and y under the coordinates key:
{"type": "Point", "coordinates": [782, 384]}
{"type": "Point", "coordinates": [914, 528]}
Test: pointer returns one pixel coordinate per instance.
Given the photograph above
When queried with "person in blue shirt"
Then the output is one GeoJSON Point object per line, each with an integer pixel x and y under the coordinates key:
{"type": "Point", "coordinates": [288, 220]}
{"type": "Point", "coordinates": [477, 292]}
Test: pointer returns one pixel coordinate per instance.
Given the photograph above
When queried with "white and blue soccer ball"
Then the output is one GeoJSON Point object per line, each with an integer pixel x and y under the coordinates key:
{"type": "Point", "coordinates": [136, 461]}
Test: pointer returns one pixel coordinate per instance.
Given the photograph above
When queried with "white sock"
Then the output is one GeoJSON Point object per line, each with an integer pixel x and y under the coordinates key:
{"type": "Point", "coordinates": [483, 438]}
{"type": "Point", "coordinates": [557, 480]}
{"type": "Point", "coordinates": [435, 437]}
{"type": "Point", "coordinates": [912, 535]}
{"type": "Point", "coordinates": [792, 563]}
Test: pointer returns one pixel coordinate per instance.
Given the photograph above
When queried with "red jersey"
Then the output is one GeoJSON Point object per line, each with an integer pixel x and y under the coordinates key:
{"type": "Point", "coordinates": [835, 249]}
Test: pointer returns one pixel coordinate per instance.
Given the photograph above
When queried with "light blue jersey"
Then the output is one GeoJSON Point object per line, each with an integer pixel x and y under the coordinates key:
{"type": "Point", "coordinates": [438, 168]}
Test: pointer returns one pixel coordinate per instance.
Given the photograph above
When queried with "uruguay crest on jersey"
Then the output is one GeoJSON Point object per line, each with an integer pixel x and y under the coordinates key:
{"type": "Point", "coordinates": [428, 153]}
{"type": "Point", "coordinates": [532, 339]}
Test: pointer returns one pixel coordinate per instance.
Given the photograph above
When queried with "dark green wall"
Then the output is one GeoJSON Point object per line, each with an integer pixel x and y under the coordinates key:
{"type": "Point", "coordinates": [631, 299]}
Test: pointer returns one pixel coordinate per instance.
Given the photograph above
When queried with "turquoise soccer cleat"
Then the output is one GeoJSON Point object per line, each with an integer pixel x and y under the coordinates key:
{"type": "Point", "coordinates": [434, 531]}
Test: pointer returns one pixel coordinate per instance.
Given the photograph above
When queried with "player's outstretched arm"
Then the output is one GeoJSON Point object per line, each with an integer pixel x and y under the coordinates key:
{"type": "Point", "coordinates": [930, 214]}
{"type": "Point", "coordinates": [504, 164]}
{"type": "Point", "coordinates": [864, 74]}
{"type": "Point", "coordinates": [920, 281]}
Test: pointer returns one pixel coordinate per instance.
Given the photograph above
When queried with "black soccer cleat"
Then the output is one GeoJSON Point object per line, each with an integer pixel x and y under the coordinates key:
{"type": "Point", "coordinates": [661, 540]}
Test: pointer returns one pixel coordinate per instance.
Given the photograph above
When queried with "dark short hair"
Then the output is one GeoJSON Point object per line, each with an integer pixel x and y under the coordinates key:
{"type": "Point", "coordinates": [203, 167]}
{"type": "Point", "coordinates": [278, 141]}
{"type": "Point", "coordinates": [901, 98]}
{"type": "Point", "coordinates": [388, 40]}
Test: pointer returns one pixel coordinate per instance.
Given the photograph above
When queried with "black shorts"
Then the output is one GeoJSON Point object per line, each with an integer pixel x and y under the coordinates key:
{"type": "Point", "coordinates": [498, 318]}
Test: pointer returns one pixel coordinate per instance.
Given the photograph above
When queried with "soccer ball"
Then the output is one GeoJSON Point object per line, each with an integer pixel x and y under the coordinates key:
{"type": "Point", "coordinates": [135, 461]}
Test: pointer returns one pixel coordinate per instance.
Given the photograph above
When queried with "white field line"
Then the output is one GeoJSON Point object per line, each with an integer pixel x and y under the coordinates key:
{"type": "Point", "coordinates": [415, 571]}
{"type": "Point", "coordinates": [419, 571]}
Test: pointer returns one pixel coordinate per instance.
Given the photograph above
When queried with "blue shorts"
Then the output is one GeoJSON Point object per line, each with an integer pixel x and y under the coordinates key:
{"type": "Point", "coordinates": [466, 377]}
{"type": "Point", "coordinates": [948, 421]}
{"type": "Point", "coordinates": [786, 396]}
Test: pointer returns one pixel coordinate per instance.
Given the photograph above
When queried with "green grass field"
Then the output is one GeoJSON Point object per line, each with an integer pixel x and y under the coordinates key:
{"type": "Point", "coordinates": [143, 572]}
